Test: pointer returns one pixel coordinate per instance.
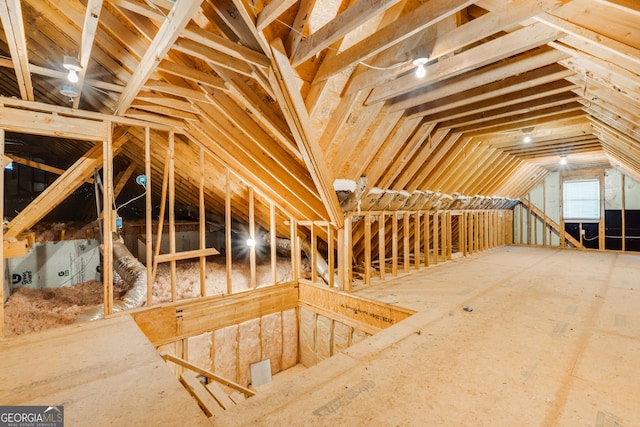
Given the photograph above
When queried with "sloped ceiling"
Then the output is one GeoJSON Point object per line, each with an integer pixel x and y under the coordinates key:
{"type": "Point", "coordinates": [292, 95]}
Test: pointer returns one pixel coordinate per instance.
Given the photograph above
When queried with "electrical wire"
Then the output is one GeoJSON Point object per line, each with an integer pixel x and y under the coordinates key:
{"type": "Point", "coordinates": [132, 200]}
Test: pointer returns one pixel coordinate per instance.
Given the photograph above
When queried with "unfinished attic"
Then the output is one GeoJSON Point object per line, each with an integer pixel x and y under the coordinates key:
{"type": "Point", "coordinates": [299, 212]}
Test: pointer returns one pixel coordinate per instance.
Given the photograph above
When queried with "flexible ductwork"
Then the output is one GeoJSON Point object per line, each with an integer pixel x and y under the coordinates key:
{"type": "Point", "coordinates": [133, 273]}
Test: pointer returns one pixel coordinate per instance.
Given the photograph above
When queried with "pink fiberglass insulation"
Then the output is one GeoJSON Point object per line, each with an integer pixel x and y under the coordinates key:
{"type": "Point", "coordinates": [200, 350]}
{"type": "Point", "coordinates": [272, 340]}
{"type": "Point", "coordinates": [249, 349]}
{"type": "Point", "coordinates": [323, 338]}
{"type": "Point", "coordinates": [307, 337]}
{"type": "Point", "coordinates": [341, 335]}
{"type": "Point", "coordinates": [225, 352]}
{"type": "Point", "coordinates": [289, 338]}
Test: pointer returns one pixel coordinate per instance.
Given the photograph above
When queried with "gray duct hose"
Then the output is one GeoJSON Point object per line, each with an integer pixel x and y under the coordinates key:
{"type": "Point", "coordinates": [133, 273]}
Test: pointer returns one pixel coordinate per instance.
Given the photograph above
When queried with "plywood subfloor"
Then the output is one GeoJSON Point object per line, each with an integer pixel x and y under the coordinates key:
{"type": "Point", "coordinates": [553, 340]}
{"type": "Point", "coordinates": [104, 373]}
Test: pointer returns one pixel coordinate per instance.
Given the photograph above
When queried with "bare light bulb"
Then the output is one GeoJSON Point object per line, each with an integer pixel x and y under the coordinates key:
{"type": "Point", "coordinates": [250, 242]}
{"type": "Point", "coordinates": [563, 160]}
{"type": "Point", "coordinates": [73, 76]}
{"type": "Point", "coordinates": [527, 139]}
{"type": "Point", "coordinates": [420, 71]}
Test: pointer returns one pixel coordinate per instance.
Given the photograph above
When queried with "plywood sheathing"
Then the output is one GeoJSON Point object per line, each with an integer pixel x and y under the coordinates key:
{"type": "Point", "coordinates": [94, 371]}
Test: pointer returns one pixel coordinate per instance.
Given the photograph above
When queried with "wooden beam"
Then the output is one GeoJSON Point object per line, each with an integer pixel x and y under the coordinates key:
{"type": "Point", "coordinates": [404, 27]}
{"type": "Point", "coordinates": [122, 179]}
{"type": "Point", "coordinates": [2, 296]}
{"type": "Point", "coordinates": [174, 24]}
{"type": "Point", "coordinates": [60, 189]}
{"type": "Point", "coordinates": [41, 166]}
{"type": "Point", "coordinates": [551, 223]}
{"type": "Point", "coordinates": [613, 46]}
{"type": "Point", "coordinates": [13, 24]}
{"type": "Point", "coordinates": [23, 121]}
{"type": "Point", "coordinates": [172, 321]}
{"type": "Point", "coordinates": [90, 27]}
{"type": "Point", "coordinates": [208, 374]}
{"type": "Point", "coordinates": [172, 216]}
{"type": "Point", "coordinates": [227, 231]}
{"type": "Point", "coordinates": [148, 218]}
{"type": "Point", "coordinates": [293, 105]}
{"type": "Point", "coordinates": [220, 44]}
{"type": "Point", "coordinates": [177, 256]}
{"type": "Point", "coordinates": [487, 53]}
{"type": "Point", "coordinates": [202, 226]}
{"type": "Point", "coordinates": [271, 12]}
{"type": "Point", "coordinates": [353, 17]}
{"type": "Point", "coordinates": [108, 226]}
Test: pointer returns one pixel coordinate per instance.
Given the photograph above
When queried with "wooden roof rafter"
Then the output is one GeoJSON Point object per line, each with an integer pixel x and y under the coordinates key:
{"type": "Point", "coordinates": [13, 24]}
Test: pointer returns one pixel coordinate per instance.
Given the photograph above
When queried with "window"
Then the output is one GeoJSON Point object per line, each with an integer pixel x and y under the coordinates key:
{"type": "Point", "coordinates": [581, 200]}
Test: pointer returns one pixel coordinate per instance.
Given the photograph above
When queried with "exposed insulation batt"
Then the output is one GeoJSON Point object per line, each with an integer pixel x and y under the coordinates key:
{"type": "Point", "coordinates": [323, 338]}
{"type": "Point", "coordinates": [341, 335]}
{"type": "Point", "coordinates": [307, 337]}
{"type": "Point", "coordinates": [225, 354]}
{"type": "Point", "coordinates": [289, 338]}
{"type": "Point", "coordinates": [272, 340]}
{"type": "Point", "coordinates": [249, 349]}
{"type": "Point", "coordinates": [200, 350]}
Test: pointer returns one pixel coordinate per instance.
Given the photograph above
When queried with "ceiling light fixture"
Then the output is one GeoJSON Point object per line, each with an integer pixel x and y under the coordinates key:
{"type": "Point", "coordinates": [527, 139]}
{"type": "Point", "coordinates": [74, 67]}
{"type": "Point", "coordinates": [563, 160]}
{"type": "Point", "coordinates": [69, 91]}
{"type": "Point", "coordinates": [420, 71]}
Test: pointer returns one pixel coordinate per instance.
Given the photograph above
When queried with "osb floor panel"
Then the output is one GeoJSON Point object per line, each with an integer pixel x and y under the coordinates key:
{"type": "Point", "coordinates": [553, 340]}
{"type": "Point", "coordinates": [104, 373]}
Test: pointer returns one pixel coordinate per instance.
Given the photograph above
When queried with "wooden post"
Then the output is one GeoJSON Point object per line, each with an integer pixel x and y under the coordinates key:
{"type": "Point", "coordinates": [148, 218]}
{"type": "Point", "coordinates": [470, 232]}
{"type": "Point", "coordinates": [561, 199]}
{"type": "Point", "coordinates": [2, 158]}
{"type": "Point", "coordinates": [330, 256]}
{"type": "Point", "coordinates": [436, 245]}
{"type": "Point", "coordinates": [394, 244]}
{"type": "Point", "coordinates": [107, 230]}
{"type": "Point", "coordinates": [381, 245]}
{"type": "Point", "coordinates": [293, 227]}
{"type": "Point", "coordinates": [462, 233]}
{"type": "Point", "coordinates": [313, 246]}
{"type": "Point", "coordinates": [272, 240]}
{"type": "Point", "coordinates": [163, 202]}
{"type": "Point", "coordinates": [623, 221]}
{"type": "Point", "coordinates": [416, 241]}
{"type": "Point", "coordinates": [252, 235]}
{"type": "Point", "coordinates": [405, 242]}
{"type": "Point", "coordinates": [227, 232]}
{"type": "Point", "coordinates": [345, 267]}
{"type": "Point", "coordinates": [426, 239]}
{"type": "Point", "coordinates": [449, 235]}
{"type": "Point", "coordinates": [202, 228]}
{"type": "Point", "coordinates": [172, 215]}
{"type": "Point", "coordinates": [444, 243]}
{"type": "Point", "coordinates": [367, 248]}
{"type": "Point", "coordinates": [601, 229]}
